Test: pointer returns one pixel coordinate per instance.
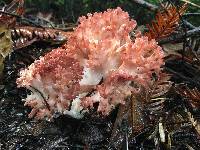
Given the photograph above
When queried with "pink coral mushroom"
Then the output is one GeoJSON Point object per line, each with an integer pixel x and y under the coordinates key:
{"type": "Point", "coordinates": [99, 57]}
{"type": "Point", "coordinates": [53, 80]}
{"type": "Point", "coordinates": [100, 36]}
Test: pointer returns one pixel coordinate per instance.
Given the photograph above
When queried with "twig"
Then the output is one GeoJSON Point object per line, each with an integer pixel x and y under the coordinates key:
{"type": "Point", "coordinates": [146, 4]}
{"type": "Point", "coordinates": [196, 83]}
{"type": "Point", "coordinates": [191, 3]}
{"type": "Point", "coordinates": [189, 25]}
{"type": "Point", "coordinates": [180, 36]}
{"type": "Point", "coordinates": [65, 28]}
{"type": "Point", "coordinates": [70, 28]}
{"type": "Point", "coordinates": [20, 17]}
{"type": "Point", "coordinates": [191, 14]}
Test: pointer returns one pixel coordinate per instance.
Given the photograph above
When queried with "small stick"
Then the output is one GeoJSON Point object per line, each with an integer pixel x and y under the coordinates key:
{"type": "Point", "coordinates": [180, 36]}
{"type": "Point", "coordinates": [20, 17]}
{"type": "Point", "coordinates": [146, 4]}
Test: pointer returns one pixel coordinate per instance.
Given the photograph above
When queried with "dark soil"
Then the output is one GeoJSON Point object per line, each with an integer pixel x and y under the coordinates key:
{"type": "Point", "coordinates": [19, 132]}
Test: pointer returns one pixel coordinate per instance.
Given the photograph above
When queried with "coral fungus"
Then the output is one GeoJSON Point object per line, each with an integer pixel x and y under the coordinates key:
{"type": "Point", "coordinates": [53, 80]}
{"type": "Point", "coordinates": [100, 63]}
{"type": "Point", "coordinates": [99, 38]}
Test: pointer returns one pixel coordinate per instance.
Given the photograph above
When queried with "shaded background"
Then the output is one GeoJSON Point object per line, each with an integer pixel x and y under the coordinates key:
{"type": "Point", "coordinates": [19, 132]}
{"type": "Point", "coordinates": [70, 10]}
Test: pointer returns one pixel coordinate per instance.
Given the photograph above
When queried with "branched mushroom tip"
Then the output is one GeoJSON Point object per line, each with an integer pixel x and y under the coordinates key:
{"type": "Point", "coordinates": [100, 63]}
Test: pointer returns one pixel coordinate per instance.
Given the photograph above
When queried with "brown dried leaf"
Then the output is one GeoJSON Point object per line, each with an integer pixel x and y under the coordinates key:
{"type": "Point", "coordinates": [5, 41]}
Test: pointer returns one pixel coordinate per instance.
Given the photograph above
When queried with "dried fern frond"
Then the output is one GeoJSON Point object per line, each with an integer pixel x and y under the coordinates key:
{"type": "Point", "coordinates": [157, 93]}
{"type": "Point", "coordinates": [193, 95]}
{"type": "Point", "coordinates": [151, 98]}
{"type": "Point", "coordinates": [165, 22]}
{"type": "Point", "coordinates": [161, 86]}
{"type": "Point", "coordinates": [23, 36]}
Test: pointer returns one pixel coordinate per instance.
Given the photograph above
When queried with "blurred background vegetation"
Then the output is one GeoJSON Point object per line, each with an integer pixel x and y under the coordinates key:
{"type": "Point", "coordinates": [70, 10]}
